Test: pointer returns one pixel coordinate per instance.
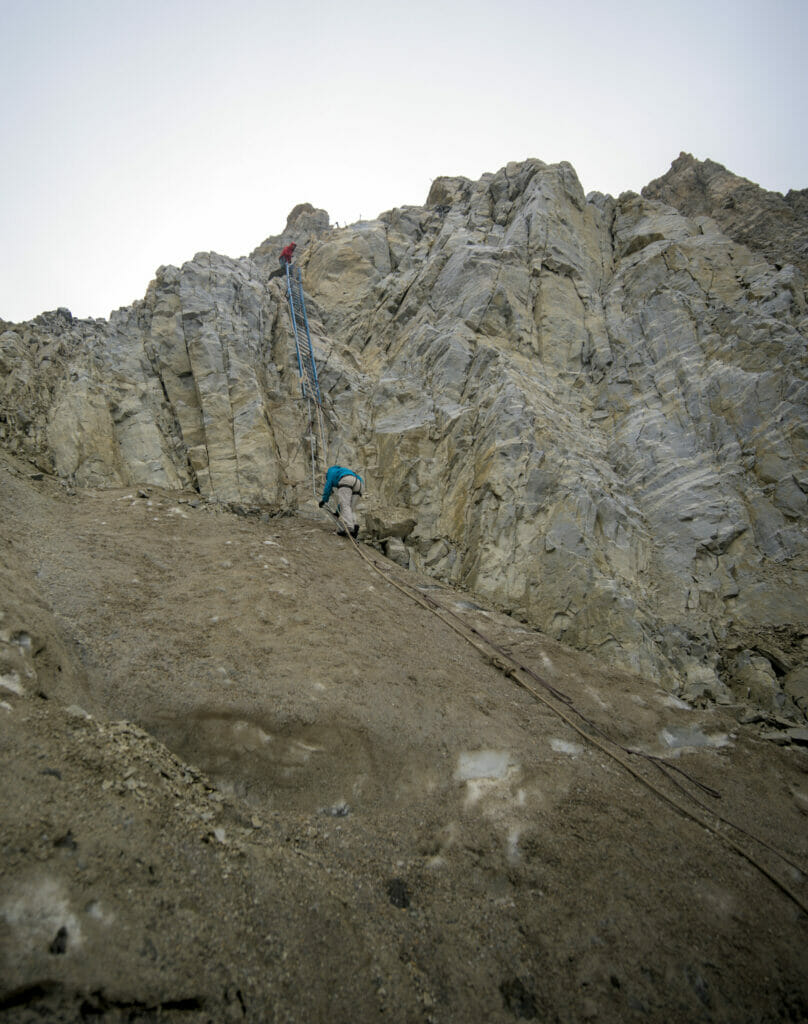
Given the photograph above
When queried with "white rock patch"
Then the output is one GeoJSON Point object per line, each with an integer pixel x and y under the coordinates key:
{"type": "Point", "coordinates": [12, 682]}
{"type": "Point", "coordinates": [684, 737]}
{"type": "Point", "coordinates": [566, 747]}
{"type": "Point", "coordinates": [36, 912]}
{"type": "Point", "coordinates": [482, 764]}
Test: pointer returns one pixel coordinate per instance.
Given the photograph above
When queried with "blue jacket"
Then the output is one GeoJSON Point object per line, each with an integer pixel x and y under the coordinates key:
{"type": "Point", "coordinates": [333, 477]}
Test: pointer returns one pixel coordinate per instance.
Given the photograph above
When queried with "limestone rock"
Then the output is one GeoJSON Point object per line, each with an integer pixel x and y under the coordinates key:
{"type": "Point", "coordinates": [768, 222]}
{"type": "Point", "coordinates": [591, 411]}
{"type": "Point", "coordinates": [303, 225]}
{"type": "Point", "coordinates": [755, 677]}
{"type": "Point", "coordinates": [795, 686]}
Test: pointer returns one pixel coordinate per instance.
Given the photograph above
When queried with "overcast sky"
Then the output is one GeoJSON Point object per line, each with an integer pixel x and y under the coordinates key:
{"type": "Point", "coordinates": [140, 132]}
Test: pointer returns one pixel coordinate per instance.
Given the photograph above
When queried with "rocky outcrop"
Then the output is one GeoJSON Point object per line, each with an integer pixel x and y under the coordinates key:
{"type": "Point", "coordinates": [592, 411]}
{"type": "Point", "coordinates": [767, 222]}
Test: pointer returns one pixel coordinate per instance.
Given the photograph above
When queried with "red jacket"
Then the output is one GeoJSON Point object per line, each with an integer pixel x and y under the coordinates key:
{"type": "Point", "coordinates": [289, 252]}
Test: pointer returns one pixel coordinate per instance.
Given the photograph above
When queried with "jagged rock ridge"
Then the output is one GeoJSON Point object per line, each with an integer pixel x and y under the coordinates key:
{"type": "Point", "coordinates": [589, 410]}
{"type": "Point", "coordinates": [767, 222]}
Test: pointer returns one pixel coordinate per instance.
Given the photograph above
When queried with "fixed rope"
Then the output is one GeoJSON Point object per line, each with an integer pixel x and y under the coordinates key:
{"type": "Point", "coordinates": [525, 677]}
{"type": "Point", "coordinates": [307, 370]}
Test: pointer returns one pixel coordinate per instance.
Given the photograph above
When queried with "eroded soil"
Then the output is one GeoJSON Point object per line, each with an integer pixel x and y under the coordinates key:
{"type": "Point", "coordinates": [245, 778]}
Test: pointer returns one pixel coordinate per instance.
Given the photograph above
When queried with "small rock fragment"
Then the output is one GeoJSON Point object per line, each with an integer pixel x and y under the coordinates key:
{"type": "Point", "coordinates": [59, 944]}
{"type": "Point", "coordinates": [76, 712]}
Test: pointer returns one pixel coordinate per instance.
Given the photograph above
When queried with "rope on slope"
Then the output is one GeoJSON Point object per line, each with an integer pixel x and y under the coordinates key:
{"type": "Point", "coordinates": [499, 658]}
{"type": "Point", "coordinates": [495, 654]}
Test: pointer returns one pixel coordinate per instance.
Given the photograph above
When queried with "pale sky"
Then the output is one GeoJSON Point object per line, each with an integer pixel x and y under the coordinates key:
{"type": "Point", "coordinates": [140, 132]}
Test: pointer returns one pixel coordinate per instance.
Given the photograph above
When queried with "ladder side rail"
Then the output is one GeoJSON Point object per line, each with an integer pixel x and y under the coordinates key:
{"type": "Point", "coordinates": [289, 294]}
{"type": "Point", "coordinates": [307, 367]}
{"type": "Point", "coordinates": [312, 447]}
{"type": "Point", "coordinates": [308, 334]}
{"type": "Point", "coordinates": [306, 354]}
{"type": "Point", "coordinates": [321, 428]}
{"type": "Point", "coordinates": [311, 370]}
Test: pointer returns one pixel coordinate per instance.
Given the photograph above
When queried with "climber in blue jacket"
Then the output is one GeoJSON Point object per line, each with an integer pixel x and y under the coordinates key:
{"type": "Point", "coordinates": [348, 486]}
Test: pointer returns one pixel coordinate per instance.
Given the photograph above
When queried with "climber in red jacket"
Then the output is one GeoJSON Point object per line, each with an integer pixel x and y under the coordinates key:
{"type": "Point", "coordinates": [286, 256]}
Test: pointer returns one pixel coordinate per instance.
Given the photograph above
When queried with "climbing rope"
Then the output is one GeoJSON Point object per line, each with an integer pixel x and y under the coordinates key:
{"type": "Point", "coordinates": [523, 676]}
{"type": "Point", "coordinates": [520, 674]}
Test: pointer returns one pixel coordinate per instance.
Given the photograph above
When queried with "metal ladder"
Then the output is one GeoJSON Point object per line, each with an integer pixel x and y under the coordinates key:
{"type": "Point", "coordinates": [307, 369]}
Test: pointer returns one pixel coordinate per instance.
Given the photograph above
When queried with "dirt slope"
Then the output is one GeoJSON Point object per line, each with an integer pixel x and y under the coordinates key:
{"type": "Point", "coordinates": [245, 778]}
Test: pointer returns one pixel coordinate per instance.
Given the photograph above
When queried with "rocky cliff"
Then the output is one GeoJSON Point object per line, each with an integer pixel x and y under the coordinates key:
{"type": "Point", "coordinates": [589, 411]}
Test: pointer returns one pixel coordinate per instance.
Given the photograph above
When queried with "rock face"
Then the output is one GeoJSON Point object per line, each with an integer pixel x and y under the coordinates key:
{"type": "Point", "coordinates": [767, 222]}
{"type": "Point", "coordinates": [591, 411]}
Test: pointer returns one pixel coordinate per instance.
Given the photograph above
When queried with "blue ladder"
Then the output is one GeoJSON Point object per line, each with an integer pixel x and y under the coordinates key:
{"type": "Point", "coordinates": [307, 367]}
